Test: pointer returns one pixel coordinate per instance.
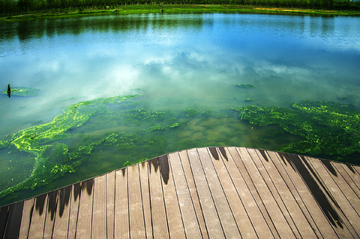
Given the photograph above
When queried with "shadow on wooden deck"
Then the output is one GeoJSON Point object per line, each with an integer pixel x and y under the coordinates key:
{"type": "Point", "coordinates": [215, 192]}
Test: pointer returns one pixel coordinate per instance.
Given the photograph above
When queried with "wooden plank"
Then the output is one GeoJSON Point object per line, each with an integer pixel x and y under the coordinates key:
{"type": "Point", "coordinates": [51, 212]}
{"type": "Point", "coordinates": [99, 208]}
{"type": "Point", "coordinates": [349, 176]}
{"type": "Point", "coordinates": [191, 224]}
{"type": "Point", "coordinates": [276, 183]}
{"type": "Point", "coordinates": [357, 168]}
{"type": "Point", "coordinates": [275, 212]}
{"type": "Point", "coordinates": [4, 212]}
{"type": "Point", "coordinates": [159, 219]}
{"type": "Point", "coordinates": [227, 219]}
{"type": "Point", "coordinates": [295, 193]}
{"type": "Point", "coordinates": [121, 205]}
{"type": "Point", "coordinates": [236, 205]}
{"type": "Point", "coordinates": [74, 209]}
{"type": "Point", "coordinates": [137, 225]}
{"type": "Point", "coordinates": [271, 205]}
{"type": "Point", "coordinates": [238, 158]}
{"type": "Point", "coordinates": [176, 226]}
{"type": "Point", "coordinates": [83, 229]}
{"type": "Point", "coordinates": [274, 190]}
{"type": "Point", "coordinates": [250, 204]}
{"type": "Point", "coordinates": [353, 174]}
{"type": "Point", "coordinates": [193, 192]}
{"type": "Point", "coordinates": [62, 216]}
{"type": "Point", "coordinates": [342, 181]}
{"type": "Point", "coordinates": [310, 192]}
{"type": "Point", "coordinates": [335, 195]}
{"type": "Point", "coordinates": [14, 220]}
{"type": "Point", "coordinates": [212, 221]}
{"type": "Point", "coordinates": [145, 192]}
{"type": "Point", "coordinates": [38, 217]}
{"type": "Point", "coordinates": [26, 218]}
{"type": "Point", "coordinates": [110, 204]}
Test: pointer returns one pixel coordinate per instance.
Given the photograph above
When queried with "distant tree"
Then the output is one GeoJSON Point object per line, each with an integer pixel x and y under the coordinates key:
{"type": "Point", "coordinates": [24, 5]}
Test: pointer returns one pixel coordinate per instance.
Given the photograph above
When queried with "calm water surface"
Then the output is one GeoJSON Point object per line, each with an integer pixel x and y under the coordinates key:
{"type": "Point", "coordinates": [184, 67]}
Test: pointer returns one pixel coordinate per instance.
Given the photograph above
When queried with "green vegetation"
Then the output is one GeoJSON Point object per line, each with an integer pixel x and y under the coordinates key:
{"type": "Point", "coordinates": [128, 163]}
{"type": "Point", "coordinates": [245, 86]}
{"type": "Point", "coordinates": [88, 132]}
{"type": "Point", "coordinates": [327, 128]}
{"type": "Point", "coordinates": [17, 10]}
{"type": "Point", "coordinates": [42, 142]}
{"type": "Point", "coordinates": [190, 112]}
{"type": "Point", "coordinates": [22, 91]}
{"type": "Point", "coordinates": [249, 99]}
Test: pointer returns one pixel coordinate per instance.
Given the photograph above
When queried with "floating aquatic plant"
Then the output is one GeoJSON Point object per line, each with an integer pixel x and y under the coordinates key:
{"type": "Point", "coordinates": [327, 128]}
{"type": "Point", "coordinates": [38, 140]}
{"type": "Point", "coordinates": [245, 86]}
{"type": "Point", "coordinates": [22, 91]}
{"type": "Point", "coordinates": [190, 112]}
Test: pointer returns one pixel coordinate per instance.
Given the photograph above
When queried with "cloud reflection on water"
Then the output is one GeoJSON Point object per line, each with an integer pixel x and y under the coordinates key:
{"type": "Point", "coordinates": [178, 61]}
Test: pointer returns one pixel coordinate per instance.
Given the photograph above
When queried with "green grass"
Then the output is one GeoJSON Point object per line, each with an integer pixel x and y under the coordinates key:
{"type": "Point", "coordinates": [168, 8]}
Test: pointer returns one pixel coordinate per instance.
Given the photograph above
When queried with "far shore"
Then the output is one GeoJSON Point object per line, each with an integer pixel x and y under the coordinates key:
{"type": "Point", "coordinates": [169, 8]}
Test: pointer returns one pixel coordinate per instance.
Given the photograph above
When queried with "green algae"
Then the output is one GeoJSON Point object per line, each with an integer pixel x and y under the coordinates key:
{"type": "Point", "coordinates": [190, 112]}
{"type": "Point", "coordinates": [128, 163]}
{"type": "Point", "coordinates": [245, 86]}
{"type": "Point", "coordinates": [249, 99]}
{"type": "Point", "coordinates": [90, 132]}
{"type": "Point", "coordinates": [22, 91]}
{"type": "Point", "coordinates": [41, 141]}
{"type": "Point", "coordinates": [327, 128]}
{"type": "Point", "coordinates": [157, 127]}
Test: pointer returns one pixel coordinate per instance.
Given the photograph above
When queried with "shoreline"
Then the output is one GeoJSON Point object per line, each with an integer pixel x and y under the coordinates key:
{"type": "Point", "coordinates": [169, 8]}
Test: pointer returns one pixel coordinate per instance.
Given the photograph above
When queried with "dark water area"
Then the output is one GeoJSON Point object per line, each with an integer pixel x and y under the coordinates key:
{"type": "Point", "coordinates": [191, 80]}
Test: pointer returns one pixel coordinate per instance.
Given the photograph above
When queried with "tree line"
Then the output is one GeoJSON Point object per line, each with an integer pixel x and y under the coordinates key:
{"type": "Point", "coordinates": [22, 6]}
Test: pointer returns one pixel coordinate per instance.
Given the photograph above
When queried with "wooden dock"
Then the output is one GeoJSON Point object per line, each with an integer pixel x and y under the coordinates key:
{"type": "Point", "coordinates": [217, 192]}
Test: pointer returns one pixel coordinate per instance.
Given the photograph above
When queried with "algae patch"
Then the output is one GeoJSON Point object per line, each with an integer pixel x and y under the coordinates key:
{"type": "Point", "coordinates": [327, 128]}
{"type": "Point", "coordinates": [22, 91]}
{"type": "Point", "coordinates": [42, 141]}
{"type": "Point", "coordinates": [245, 86]}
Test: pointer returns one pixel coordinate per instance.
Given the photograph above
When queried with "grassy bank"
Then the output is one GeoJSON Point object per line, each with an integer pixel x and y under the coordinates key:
{"type": "Point", "coordinates": [169, 8]}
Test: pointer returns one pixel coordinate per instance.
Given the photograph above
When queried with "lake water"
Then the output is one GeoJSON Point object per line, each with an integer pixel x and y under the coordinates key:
{"type": "Point", "coordinates": [182, 71]}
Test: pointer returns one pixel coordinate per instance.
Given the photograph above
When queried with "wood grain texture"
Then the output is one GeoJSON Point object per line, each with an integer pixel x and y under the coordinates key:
{"type": "Point", "coordinates": [279, 192]}
{"type": "Point", "coordinates": [322, 224]}
{"type": "Point", "coordinates": [212, 221]}
{"type": "Point", "coordinates": [110, 204]}
{"type": "Point", "coordinates": [226, 216]}
{"type": "Point", "coordinates": [99, 208]}
{"type": "Point", "coordinates": [121, 205]}
{"type": "Point", "coordinates": [84, 224]}
{"type": "Point", "coordinates": [341, 204]}
{"type": "Point", "coordinates": [190, 221]}
{"type": "Point", "coordinates": [145, 193]}
{"type": "Point", "coordinates": [158, 213]}
{"type": "Point", "coordinates": [62, 216]}
{"type": "Point", "coordinates": [237, 207]}
{"type": "Point", "coordinates": [193, 192]}
{"type": "Point", "coordinates": [74, 209]}
{"type": "Point", "coordinates": [250, 204]}
{"type": "Point", "coordinates": [26, 218]}
{"type": "Point", "coordinates": [215, 192]}
{"type": "Point", "coordinates": [38, 217]}
{"type": "Point", "coordinates": [176, 226]}
{"type": "Point", "coordinates": [53, 198]}
{"type": "Point", "coordinates": [136, 215]}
